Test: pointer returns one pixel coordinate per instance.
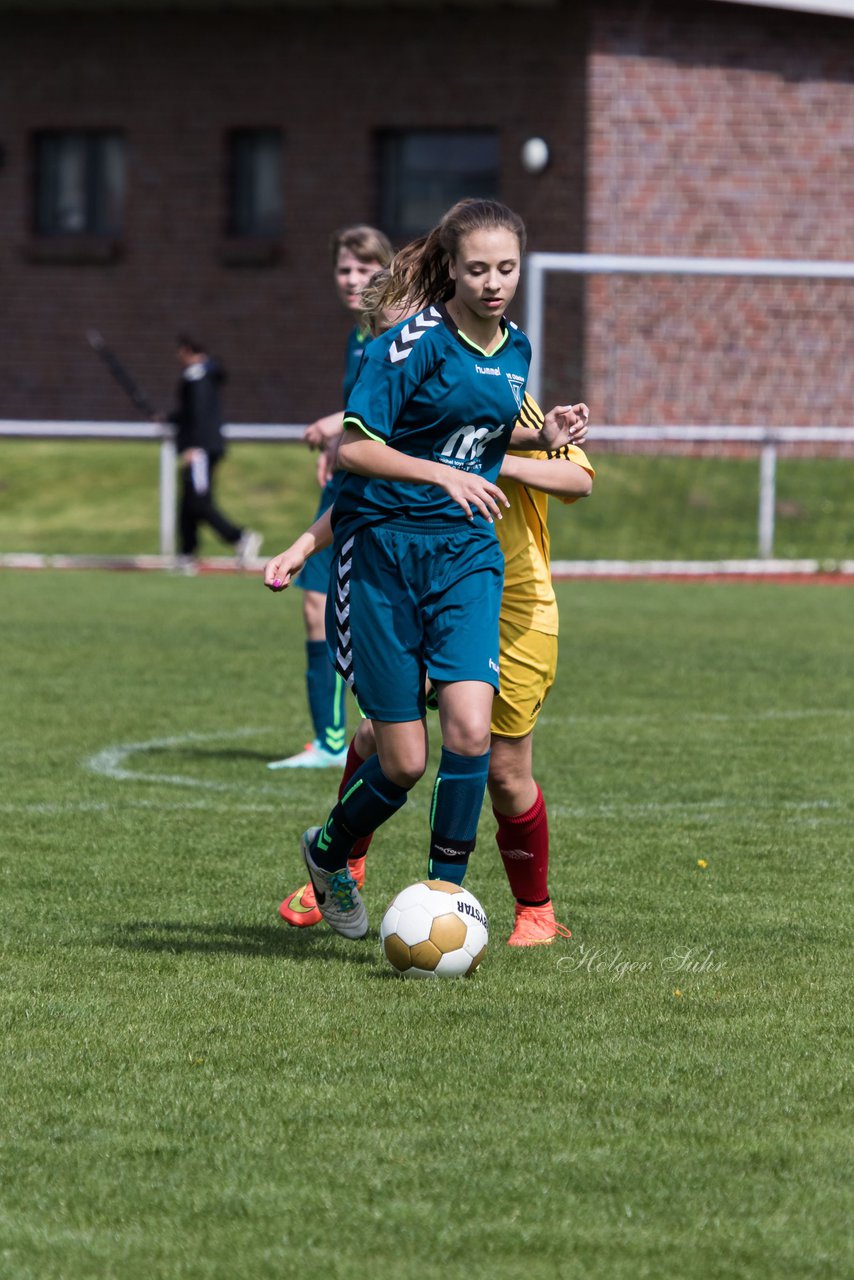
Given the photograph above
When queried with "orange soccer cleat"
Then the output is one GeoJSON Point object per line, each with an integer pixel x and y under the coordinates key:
{"type": "Point", "coordinates": [536, 927]}
{"type": "Point", "coordinates": [300, 908]}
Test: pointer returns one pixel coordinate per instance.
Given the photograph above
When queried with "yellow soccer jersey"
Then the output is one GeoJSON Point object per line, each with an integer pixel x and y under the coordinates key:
{"type": "Point", "coordinates": [529, 598]}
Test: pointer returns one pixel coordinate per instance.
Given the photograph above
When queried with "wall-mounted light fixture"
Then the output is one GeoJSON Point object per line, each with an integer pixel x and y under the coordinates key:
{"type": "Point", "coordinates": [535, 155]}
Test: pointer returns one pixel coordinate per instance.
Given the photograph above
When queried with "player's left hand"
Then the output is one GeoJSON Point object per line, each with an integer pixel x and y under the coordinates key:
{"type": "Point", "coordinates": [317, 434]}
{"type": "Point", "coordinates": [282, 569]}
{"type": "Point", "coordinates": [582, 415]}
{"type": "Point", "coordinates": [565, 424]}
{"type": "Point", "coordinates": [327, 463]}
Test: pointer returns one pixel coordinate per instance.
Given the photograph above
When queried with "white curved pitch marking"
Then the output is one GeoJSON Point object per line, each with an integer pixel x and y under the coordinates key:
{"type": "Point", "coordinates": [112, 762]}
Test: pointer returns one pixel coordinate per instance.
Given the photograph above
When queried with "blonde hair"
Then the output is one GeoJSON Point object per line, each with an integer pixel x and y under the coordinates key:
{"type": "Point", "coordinates": [369, 301]}
{"type": "Point", "coordinates": [420, 270]}
{"type": "Point", "coordinates": [364, 242]}
{"type": "Point", "coordinates": [377, 311]}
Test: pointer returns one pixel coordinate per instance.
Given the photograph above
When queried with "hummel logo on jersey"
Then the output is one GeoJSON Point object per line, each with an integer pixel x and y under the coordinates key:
{"type": "Point", "coordinates": [493, 373]}
{"type": "Point", "coordinates": [468, 443]}
{"type": "Point", "coordinates": [401, 348]}
{"type": "Point", "coordinates": [517, 386]}
{"type": "Point", "coordinates": [493, 666]}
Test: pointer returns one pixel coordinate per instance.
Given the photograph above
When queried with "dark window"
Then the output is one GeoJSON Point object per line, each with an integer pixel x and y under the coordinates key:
{"type": "Point", "coordinates": [423, 172]}
{"type": "Point", "coordinates": [79, 182]}
{"type": "Point", "coordinates": [255, 182]}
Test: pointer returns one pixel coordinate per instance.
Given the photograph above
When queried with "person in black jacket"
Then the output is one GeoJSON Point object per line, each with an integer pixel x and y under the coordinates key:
{"type": "Point", "coordinates": [200, 445]}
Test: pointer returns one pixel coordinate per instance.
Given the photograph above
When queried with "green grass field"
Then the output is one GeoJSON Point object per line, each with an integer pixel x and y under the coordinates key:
{"type": "Point", "coordinates": [89, 497]}
{"type": "Point", "coordinates": [192, 1091]}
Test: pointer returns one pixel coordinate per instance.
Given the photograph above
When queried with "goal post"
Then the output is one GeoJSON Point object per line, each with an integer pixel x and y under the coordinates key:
{"type": "Point", "coordinates": [613, 342]}
{"type": "Point", "coordinates": [539, 265]}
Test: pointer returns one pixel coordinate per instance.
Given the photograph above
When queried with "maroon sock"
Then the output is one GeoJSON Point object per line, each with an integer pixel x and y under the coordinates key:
{"type": "Point", "coordinates": [354, 762]}
{"type": "Point", "coordinates": [523, 842]}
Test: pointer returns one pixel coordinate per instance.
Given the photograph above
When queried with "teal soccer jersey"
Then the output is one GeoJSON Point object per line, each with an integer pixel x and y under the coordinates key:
{"type": "Point", "coordinates": [416, 586]}
{"type": "Point", "coordinates": [425, 389]}
{"type": "Point", "coordinates": [356, 344]}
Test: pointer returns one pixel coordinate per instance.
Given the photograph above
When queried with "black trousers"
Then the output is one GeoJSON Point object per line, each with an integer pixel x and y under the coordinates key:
{"type": "Point", "coordinates": [198, 506]}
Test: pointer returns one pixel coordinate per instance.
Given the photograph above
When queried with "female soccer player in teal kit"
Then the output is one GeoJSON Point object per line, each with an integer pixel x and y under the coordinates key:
{"type": "Point", "coordinates": [357, 252]}
{"type": "Point", "coordinates": [417, 569]}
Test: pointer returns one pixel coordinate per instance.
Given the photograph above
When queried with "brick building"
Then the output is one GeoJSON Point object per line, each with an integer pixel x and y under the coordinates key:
{"type": "Point", "coordinates": [181, 163]}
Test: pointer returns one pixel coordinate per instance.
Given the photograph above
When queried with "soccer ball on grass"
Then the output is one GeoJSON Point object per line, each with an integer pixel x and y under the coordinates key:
{"type": "Point", "coordinates": [434, 929]}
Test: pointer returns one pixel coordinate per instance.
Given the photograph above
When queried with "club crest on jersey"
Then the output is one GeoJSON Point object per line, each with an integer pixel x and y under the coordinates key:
{"type": "Point", "coordinates": [517, 386]}
{"type": "Point", "coordinates": [405, 340]}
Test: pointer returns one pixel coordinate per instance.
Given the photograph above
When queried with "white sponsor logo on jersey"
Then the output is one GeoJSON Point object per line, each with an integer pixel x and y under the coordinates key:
{"type": "Point", "coordinates": [468, 443]}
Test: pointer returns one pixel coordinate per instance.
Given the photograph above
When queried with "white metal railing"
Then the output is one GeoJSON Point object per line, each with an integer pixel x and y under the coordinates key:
{"type": "Point", "coordinates": [766, 439]}
{"type": "Point", "coordinates": [155, 431]}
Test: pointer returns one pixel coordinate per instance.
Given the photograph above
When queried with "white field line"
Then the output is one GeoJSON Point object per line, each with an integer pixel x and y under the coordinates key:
{"type": "Point", "coordinates": [112, 807]}
{"type": "Point", "coordinates": [562, 570]}
{"type": "Point", "coordinates": [797, 813]}
{"type": "Point", "coordinates": [712, 717]}
{"type": "Point", "coordinates": [113, 763]}
{"type": "Point", "coordinates": [705, 809]}
{"type": "Point", "coordinates": [164, 564]}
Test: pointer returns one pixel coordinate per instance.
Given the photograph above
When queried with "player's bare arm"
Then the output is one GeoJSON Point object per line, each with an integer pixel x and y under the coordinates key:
{"type": "Point", "coordinates": [283, 568]}
{"type": "Point", "coordinates": [318, 433]}
{"type": "Point", "coordinates": [472, 492]}
{"type": "Point", "coordinates": [559, 477]}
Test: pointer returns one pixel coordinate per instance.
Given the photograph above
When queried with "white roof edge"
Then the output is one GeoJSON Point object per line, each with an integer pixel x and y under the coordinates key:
{"type": "Point", "coordinates": [836, 8]}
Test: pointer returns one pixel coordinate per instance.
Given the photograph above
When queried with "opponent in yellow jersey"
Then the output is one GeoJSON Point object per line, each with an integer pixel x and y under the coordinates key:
{"type": "Point", "coordinates": [528, 648]}
{"type": "Point", "coordinates": [529, 597]}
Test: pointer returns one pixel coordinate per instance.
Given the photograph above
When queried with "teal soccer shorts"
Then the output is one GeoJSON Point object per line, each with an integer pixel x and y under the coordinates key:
{"type": "Point", "coordinates": [409, 600]}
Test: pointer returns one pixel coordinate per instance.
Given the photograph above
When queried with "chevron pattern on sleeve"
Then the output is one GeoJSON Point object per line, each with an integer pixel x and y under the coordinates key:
{"type": "Point", "coordinates": [404, 342]}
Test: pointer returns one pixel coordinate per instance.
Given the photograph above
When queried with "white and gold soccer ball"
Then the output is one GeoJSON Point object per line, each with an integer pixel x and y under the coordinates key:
{"type": "Point", "coordinates": [434, 929]}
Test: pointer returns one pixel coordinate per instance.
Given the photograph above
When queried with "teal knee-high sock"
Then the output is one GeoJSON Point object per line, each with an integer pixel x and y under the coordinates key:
{"type": "Point", "coordinates": [457, 802]}
{"type": "Point", "coordinates": [326, 702]}
{"type": "Point", "coordinates": [369, 800]}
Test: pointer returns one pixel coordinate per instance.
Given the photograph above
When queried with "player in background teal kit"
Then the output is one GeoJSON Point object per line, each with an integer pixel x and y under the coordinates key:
{"type": "Point", "coordinates": [357, 253]}
{"type": "Point", "coordinates": [417, 569]}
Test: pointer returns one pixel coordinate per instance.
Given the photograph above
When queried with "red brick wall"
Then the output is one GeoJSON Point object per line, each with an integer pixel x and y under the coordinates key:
{"type": "Point", "coordinates": [720, 130]}
{"type": "Point", "coordinates": [687, 128]}
{"type": "Point", "coordinates": [176, 84]}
